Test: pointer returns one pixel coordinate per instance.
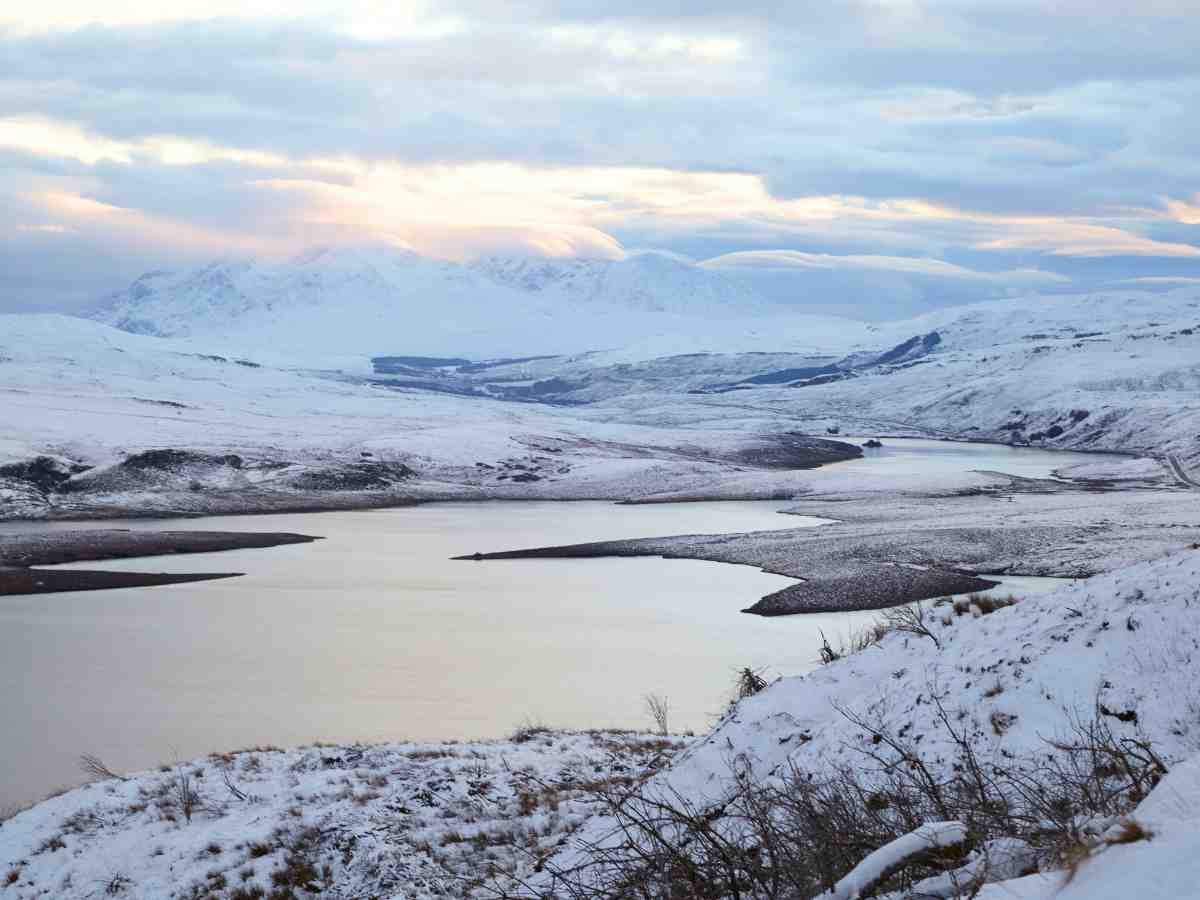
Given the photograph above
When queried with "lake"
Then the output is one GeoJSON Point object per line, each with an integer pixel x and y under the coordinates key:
{"type": "Point", "coordinates": [374, 633]}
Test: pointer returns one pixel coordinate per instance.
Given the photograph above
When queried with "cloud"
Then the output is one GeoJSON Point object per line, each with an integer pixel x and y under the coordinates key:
{"type": "Point", "coordinates": [43, 229]}
{"type": "Point", "coordinates": [1185, 211]}
{"type": "Point", "coordinates": [992, 137]}
{"type": "Point", "coordinates": [875, 287]}
{"type": "Point", "coordinates": [1167, 280]}
{"type": "Point", "coordinates": [936, 268]}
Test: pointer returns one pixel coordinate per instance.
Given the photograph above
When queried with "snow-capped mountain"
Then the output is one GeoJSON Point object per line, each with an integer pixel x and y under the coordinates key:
{"type": "Point", "coordinates": [349, 298]}
{"type": "Point", "coordinates": [646, 282]}
{"type": "Point", "coordinates": [380, 299]}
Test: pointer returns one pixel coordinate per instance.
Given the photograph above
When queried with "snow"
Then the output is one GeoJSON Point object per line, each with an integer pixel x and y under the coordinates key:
{"type": "Point", "coordinates": [1164, 866]}
{"type": "Point", "coordinates": [876, 865]}
{"type": "Point", "coordinates": [418, 819]}
{"type": "Point", "coordinates": [1049, 659]}
{"type": "Point", "coordinates": [379, 300]}
{"type": "Point", "coordinates": [1128, 642]}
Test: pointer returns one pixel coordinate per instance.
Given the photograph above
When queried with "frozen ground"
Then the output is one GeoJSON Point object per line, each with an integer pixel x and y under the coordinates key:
{"type": "Point", "coordinates": [403, 820]}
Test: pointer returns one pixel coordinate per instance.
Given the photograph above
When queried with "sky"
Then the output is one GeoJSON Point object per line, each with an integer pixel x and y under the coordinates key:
{"type": "Point", "coordinates": [903, 152]}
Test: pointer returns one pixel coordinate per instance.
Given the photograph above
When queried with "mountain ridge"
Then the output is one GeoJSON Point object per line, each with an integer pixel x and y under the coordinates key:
{"type": "Point", "coordinates": [382, 298]}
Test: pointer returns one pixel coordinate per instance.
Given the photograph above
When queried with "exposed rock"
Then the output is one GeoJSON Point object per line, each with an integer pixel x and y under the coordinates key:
{"type": "Point", "coordinates": [361, 476]}
{"type": "Point", "coordinates": [44, 473]}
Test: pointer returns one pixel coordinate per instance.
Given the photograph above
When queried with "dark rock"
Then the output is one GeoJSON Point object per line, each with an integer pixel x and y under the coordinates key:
{"type": "Point", "coordinates": [795, 451]}
{"type": "Point", "coordinates": [783, 376]}
{"type": "Point", "coordinates": [386, 365]}
{"type": "Point", "coordinates": [822, 379]}
{"type": "Point", "coordinates": [361, 476]}
{"type": "Point", "coordinates": [911, 349]}
{"type": "Point", "coordinates": [174, 460]}
{"type": "Point", "coordinates": [42, 472]}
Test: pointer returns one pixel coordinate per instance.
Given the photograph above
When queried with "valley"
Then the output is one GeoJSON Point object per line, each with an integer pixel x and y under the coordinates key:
{"type": "Point", "coordinates": [168, 479]}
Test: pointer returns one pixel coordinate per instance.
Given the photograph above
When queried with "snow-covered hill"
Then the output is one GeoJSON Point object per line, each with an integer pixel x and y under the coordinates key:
{"type": "Point", "coordinates": [1115, 371]}
{"type": "Point", "coordinates": [377, 300]}
{"type": "Point", "coordinates": [645, 282]}
{"type": "Point", "coordinates": [1104, 372]}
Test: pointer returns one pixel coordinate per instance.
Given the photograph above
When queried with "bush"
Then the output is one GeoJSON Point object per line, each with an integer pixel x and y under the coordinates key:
{"type": "Point", "coordinates": [749, 682]}
{"type": "Point", "coordinates": [796, 834]}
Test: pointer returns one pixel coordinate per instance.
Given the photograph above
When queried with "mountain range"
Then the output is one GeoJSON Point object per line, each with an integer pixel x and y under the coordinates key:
{"type": "Point", "coordinates": [379, 299]}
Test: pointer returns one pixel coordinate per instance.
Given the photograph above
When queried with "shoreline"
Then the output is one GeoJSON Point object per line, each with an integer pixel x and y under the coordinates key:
{"type": "Point", "coordinates": [881, 548]}
{"type": "Point", "coordinates": [22, 556]}
{"type": "Point", "coordinates": [816, 590]}
{"type": "Point", "coordinates": [185, 503]}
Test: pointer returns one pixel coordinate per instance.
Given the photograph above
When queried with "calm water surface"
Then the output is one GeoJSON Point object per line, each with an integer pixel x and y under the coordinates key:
{"type": "Point", "coordinates": [374, 633]}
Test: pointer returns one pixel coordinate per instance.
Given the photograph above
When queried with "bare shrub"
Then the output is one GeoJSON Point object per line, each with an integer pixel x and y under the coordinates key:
{"type": "Point", "coordinates": [826, 652]}
{"type": "Point", "coordinates": [183, 792]}
{"type": "Point", "coordinates": [659, 709]}
{"type": "Point", "coordinates": [796, 834]}
{"type": "Point", "coordinates": [95, 767]}
{"type": "Point", "coordinates": [865, 638]}
{"type": "Point", "coordinates": [116, 884]}
{"type": "Point", "coordinates": [528, 730]}
{"type": "Point", "coordinates": [854, 642]}
{"type": "Point", "coordinates": [749, 682]}
{"type": "Point", "coordinates": [238, 793]}
{"type": "Point", "coordinates": [912, 618]}
{"type": "Point", "coordinates": [980, 604]}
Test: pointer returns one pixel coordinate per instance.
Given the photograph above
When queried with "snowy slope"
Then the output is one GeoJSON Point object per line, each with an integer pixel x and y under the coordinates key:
{"type": "Point", "coordinates": [88, 394]}
{"type": "Point", "coordinates": [1124, 646]}
{"type": "Point", "coordinates": [1115, 371]}
{"type": "Point", "coordinates": [1054, 655]}
{"type": "Point", "coordinates": [1078, 316]}
{"type": "Point", "coordinates": [1164, 866]}
{"type": "Point", "coordinates": [413, 820]}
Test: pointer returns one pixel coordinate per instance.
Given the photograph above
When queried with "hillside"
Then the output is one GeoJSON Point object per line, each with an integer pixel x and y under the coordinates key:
{"type": "Point", "coordinates": [1113, 656]}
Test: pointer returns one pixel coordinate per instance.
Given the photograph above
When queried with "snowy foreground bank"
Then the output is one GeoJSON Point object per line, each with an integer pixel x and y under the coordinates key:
{"type": "Point", "coordinates": [403, 820]}
{"type": "Point", "coordinates": [407, 821]}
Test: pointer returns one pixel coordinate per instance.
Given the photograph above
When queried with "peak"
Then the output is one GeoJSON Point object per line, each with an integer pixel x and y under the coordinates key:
{"type": "Point", "coordinates": [660, 258]}
{"type": "Point", "coordinates": [355, 255]}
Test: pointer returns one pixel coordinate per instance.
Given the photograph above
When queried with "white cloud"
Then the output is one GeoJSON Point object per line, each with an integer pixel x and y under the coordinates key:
{"type": "Point", "coordinates": [934, 268]}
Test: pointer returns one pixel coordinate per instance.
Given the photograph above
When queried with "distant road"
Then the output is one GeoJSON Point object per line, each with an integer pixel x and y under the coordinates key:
{"type": "Point", "coordinates": [1180, 472]}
